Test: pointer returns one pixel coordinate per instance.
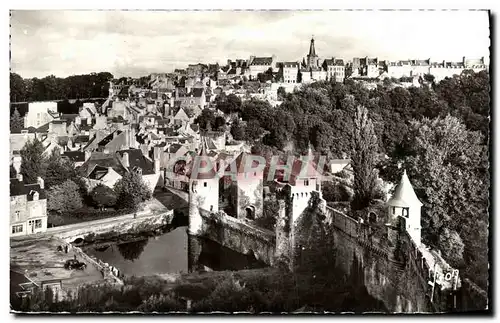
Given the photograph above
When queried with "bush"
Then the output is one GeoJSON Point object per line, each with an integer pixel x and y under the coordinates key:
{"type": "Point", "coordinates": [131, 191]}
{"type": "Point", "coordinates": [336, 192]}
{"type": "Point", "coordinates": [103, 196]}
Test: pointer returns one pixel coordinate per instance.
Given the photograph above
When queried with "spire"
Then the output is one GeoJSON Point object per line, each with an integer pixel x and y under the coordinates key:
{"type": "Point", "coordinates": [312, 51]}
{"type": "Point", "coordinates": [404, 195]}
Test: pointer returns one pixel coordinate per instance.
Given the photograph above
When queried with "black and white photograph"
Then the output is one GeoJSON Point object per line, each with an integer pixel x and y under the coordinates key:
{"type": "Point", "coordinates": [250, 161]}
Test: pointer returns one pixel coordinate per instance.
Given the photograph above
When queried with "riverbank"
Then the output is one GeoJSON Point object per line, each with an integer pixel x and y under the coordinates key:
{"type": "Point", "coordinates": [266, 290]}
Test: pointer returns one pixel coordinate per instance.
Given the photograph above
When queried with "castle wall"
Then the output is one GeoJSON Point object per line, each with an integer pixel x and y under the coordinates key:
{"type": "Point", "coordinates": [249, 194]}
{"type": "Point", "coordinates": [238, 236]}
{"type": "Point", "coordinates": [401, 286]}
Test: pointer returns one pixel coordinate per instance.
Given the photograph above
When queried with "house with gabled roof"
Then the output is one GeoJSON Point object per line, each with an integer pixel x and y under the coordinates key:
{"type": "Point", "coordinates": [108, 168]}
{"type": "Point", "coordinates": [28, 207]}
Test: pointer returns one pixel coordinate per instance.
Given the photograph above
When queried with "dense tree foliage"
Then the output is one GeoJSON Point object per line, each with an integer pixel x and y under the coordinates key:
{"type": "Point", "coordinates": [32, 165]}
{"type": "Point", "coordinates": [446, 157]}
{"type": "Point", "coordinates": [208, 120]}
{"type": "Point", "coordinates": [131, 191]}
{"type": "Point", "coordinates": [64, 197]}
{"type": "Point", "coordinates": [103, 196]}
{"type": "Point", "coordinates": [228, 103]}
{"type": "Point", "coordinates": [94, 85]}
{"type": "Point", "coordinates": [16, 121]}
{"type": "Point", "coordinates": [58, 170]}
{"type": "Point", "coordinates": [363, 159]}
{"type": "Point", "coordinates": [450, 165]}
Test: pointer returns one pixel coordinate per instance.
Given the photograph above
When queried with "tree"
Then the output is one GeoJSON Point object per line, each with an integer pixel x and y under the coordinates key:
{"type": "Point", "coordinates": [450, 165]}
{"type": "Point", "coordinates": [219, 123]}
{"type": "Point", "coordinates": [269, 214]}
{"type": "Point", "coordinates": [206, 119]}
{"type": "Point", "coordinates": [32, 165]}
{"type": "Point", "coordinates": [452, 246]}
{"type": "Point", "coordinates": [253, 130]}
{"type": "Point", "coordinates": [238, 131]}
{"type": "Point", "coordinates": [64, 197]}
{"type": "Point", "coordinates": [228, 104]}
{"type": "Point", "coordinates": [281, 93]}
{"type": "Point", "coordinates": [16, 121]}
{"type": "Point", "coordinates": [103, 196]}
{"type": "Point", "coordinates": [131, 190]}
{"type": "Point", "coordinates": [429, 78]}
{"type": "Point", "coordinates": [363, 159]}
{"type": "Point", "coordinates": [58, 170]}
{"type": "Point", "coordinates": [18, 88]}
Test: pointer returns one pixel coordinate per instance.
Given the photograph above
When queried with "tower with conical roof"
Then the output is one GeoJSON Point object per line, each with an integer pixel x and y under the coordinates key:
{"type": "Point", "coordinates": [203, 189]}
{"type": "Point", "coordinates": [312, 58]}
{"type": "Point", "coordinates": [404, 203]}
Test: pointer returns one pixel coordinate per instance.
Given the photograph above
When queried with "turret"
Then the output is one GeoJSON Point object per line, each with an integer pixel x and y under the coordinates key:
{"type": "Point", "coordinates": [203, 190]}
{"type": "Point", "coordinates": [405, 203]}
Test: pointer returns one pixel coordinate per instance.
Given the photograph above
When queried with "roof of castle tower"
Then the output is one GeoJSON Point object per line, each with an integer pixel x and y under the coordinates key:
{"type": "Point", "coordinates": [241, 164]}
{"type": "Point", "coordinates": [404, 195]}
{"type": "Point", "coordinates": [202, 160]}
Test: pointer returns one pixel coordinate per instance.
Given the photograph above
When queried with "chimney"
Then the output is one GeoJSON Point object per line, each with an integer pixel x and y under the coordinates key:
{"type": "Point", "coordinates": [19, 177]}
{"type": "Point", "coordinates": [125, 160]}
{"type": "Point", "coordinates": [40, 182]}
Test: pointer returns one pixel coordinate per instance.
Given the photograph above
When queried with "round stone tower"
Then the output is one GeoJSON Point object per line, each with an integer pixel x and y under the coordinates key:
{"type": "Point", "coordinates": [203, 190]}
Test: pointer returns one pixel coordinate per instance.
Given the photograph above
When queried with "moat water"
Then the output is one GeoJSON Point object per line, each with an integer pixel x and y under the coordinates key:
{"type": "Point", "coordinates": [167, 253]}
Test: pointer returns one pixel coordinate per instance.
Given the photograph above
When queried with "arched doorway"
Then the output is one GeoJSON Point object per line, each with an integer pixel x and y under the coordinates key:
{"type": "Point", "coordinates": [250, 212]}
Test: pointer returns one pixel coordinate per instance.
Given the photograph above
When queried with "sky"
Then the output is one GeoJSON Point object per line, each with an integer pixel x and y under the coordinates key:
{"type": "Point", "coordinates": [137, 43]}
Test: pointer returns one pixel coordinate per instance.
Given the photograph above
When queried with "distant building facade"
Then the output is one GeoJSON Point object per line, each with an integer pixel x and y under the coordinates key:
{"type": "Point", "coordinates": [28, 207]}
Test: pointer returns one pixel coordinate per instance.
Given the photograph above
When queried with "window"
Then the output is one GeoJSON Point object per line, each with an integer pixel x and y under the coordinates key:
{"type": "Point", "coordinates": [211, 208]}
{"type": "Point", "coordinates": [18, 215]}
{"type": "Point", "coordinates": [306, 182]}
{"type": "Point", "coordinates": [17, 228]}
{"type": "Point", "coordinates": [406, 211]}
{"type": "Point", "coordinates": [204, 184]}
{"type": "Point", "coordinates": [393, 210]}
{"type": "Point", "coordinates": [38, 224]}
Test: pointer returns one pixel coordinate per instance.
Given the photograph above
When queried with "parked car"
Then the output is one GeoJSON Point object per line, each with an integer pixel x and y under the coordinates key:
{"type": "Point", "coordinates": [75, 264]}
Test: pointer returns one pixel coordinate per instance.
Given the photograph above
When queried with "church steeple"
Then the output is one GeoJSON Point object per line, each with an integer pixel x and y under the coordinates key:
{"type": "Point", "coordinates": [312, 50]}
{"type": "Point", "coordinates": [312, 58]}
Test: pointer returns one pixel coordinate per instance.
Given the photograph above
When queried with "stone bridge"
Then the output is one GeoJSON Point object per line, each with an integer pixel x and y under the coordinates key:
{"type": "Point", "coordinates": [125, 224]}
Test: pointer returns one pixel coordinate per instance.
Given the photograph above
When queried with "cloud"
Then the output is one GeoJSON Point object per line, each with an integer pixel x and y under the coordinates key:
{"type": "Point", "coordinates": [140, 42]}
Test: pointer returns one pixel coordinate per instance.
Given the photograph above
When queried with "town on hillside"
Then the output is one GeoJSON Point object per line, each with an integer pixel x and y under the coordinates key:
{"type": "Point", "coordinates": [325, 184]}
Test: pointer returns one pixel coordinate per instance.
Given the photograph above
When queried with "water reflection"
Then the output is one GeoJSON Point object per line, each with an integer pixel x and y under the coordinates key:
{"type": "Point", "coordinates": [171, 252]}
{"type": "Point", "coordinates": [166, 253]}
{"type": "Point", "coordinates": [132, 250]}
